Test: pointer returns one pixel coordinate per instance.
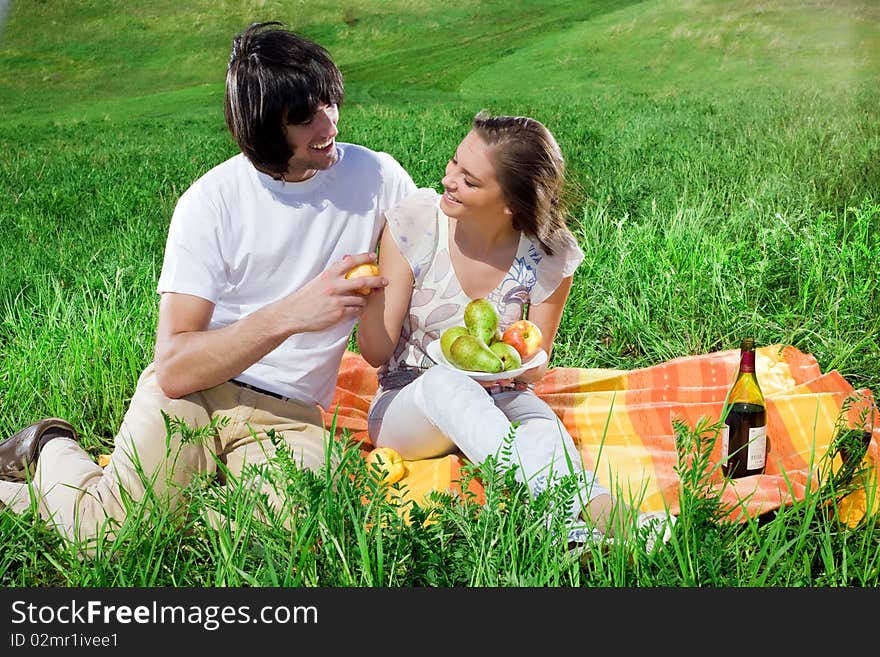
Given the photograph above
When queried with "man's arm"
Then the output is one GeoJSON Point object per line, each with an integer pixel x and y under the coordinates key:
{"type": "Point", "coordinates": [190, 357]}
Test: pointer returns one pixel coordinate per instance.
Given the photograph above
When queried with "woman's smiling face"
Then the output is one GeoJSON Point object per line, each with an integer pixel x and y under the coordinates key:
{"type": "Point", "coordinates": [471, 189]}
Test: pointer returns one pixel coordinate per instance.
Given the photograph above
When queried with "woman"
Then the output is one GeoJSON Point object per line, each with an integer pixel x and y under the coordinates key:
{"type": "Point", "coordinates": [498, 231]}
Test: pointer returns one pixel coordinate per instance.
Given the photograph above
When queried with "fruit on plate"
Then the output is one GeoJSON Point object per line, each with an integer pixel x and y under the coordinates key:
{"type": "Point", "coordinates": [389, 462]}
{"type": "Point", "coordinates": [481, 319]}
{"type": "Point", "coordinates": [469, 352]}
{"type": "Point", "coordinates": [366, 269]}
{"type": "Point", "coordinates": [510, 358]}
{"type": "Point", "coordinates": [525, 337]}
{"type": "Point", "coordinates": [448, 337]}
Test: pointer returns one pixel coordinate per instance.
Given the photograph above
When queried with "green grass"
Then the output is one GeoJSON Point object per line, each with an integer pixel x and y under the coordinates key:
{"type": "Point", "coordinates": [727, 154]}
{"type": "Point", "coordinates": [663, 49]}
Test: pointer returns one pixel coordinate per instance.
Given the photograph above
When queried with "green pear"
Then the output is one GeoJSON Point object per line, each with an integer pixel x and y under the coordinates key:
{"type": "Point", "coordinates": [510, 358]}
{"type": "Point", "coordinates": [470, 353]}
{"type": "Point", "coordinates": [481, 319]}
{"type": "Point", "coordinates": [448, 337]}
{"type": "Point", "coordinates": [498, 337]}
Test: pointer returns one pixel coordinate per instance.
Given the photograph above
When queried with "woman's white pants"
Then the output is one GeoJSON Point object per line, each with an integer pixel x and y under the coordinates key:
{"type": "Point", "coordinates": [444, 410]}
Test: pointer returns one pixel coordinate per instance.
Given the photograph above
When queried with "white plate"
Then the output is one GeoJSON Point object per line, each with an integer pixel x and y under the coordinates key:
{"type": "Point", "coordinates": [435, 352]}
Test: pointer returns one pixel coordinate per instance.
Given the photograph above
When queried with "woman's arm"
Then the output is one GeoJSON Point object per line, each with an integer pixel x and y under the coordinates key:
{"type": "Point", "coordinates": [379, 327]}
{"type": "Point", "coordinates": [546, 316]}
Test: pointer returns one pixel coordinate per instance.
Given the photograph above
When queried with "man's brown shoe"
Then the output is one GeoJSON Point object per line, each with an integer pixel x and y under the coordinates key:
{"type": "Point", "coordinates": [18, 454]}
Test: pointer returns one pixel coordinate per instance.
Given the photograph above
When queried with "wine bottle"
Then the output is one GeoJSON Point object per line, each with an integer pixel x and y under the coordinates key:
{"type": "Point", "coordinates": [744, 434]}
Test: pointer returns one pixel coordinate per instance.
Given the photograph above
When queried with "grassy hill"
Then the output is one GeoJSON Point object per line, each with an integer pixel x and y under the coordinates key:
{"type": "Point", "coordinates": [82, 53]}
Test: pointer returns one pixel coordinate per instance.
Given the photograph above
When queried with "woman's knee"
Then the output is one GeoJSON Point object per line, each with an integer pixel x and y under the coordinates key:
{"type": "Point", "coordinates": [448, 387]}
{"type": "Point", "coordinates": [443, 378]}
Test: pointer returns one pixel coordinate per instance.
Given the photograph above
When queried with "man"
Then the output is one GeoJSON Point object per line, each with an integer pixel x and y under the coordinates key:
{"type": "Point", "coordinates": [255, 311]}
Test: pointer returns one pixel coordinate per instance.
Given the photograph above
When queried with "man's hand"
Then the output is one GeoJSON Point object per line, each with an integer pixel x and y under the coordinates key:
{"type": "Point", "coordinates": [330, 297]}
{"type": "Point", "coordinates": [190, 357]}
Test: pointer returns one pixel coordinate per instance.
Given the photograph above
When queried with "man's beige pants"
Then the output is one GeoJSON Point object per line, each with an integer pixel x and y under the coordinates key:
{"type": "Point", "coordinates": [78, 496]}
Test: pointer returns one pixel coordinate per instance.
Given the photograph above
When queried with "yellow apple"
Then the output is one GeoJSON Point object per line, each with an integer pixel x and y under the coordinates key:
{"type": "Point", "coordinates": [389, 462]}
{"type": "Point", "coordinates": [366, 269]}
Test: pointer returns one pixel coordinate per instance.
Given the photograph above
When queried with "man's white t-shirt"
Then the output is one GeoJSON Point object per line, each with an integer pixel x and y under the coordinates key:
{"type": "Point", "coordinates": [241, 240]}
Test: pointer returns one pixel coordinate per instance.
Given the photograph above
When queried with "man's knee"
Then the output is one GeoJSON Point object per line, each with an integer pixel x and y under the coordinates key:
{"type": "Point", "coordinates": [309, 446]}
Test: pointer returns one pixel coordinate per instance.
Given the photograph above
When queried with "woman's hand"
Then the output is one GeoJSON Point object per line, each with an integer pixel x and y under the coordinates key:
{"type": "Point", "coordinates": [533, 375]}
{"type": "Point", "coordinates": [492, 384]}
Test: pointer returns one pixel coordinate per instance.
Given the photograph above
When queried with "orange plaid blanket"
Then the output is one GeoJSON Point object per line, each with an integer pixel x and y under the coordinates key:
{"type": "Point", "coordinates": [622, 422]}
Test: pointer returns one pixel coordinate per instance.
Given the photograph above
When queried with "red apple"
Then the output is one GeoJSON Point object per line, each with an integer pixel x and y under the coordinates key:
{"type": "Point", "coordinates": [525, 337]}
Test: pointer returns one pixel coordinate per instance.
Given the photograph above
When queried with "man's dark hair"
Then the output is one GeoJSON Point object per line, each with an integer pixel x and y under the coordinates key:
{"type": "Point", "coordinates": [275, 77]}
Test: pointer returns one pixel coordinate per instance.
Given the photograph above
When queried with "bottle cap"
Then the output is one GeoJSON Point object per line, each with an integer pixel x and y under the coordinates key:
{"type": "Point", "coordinates": [747, 355]}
